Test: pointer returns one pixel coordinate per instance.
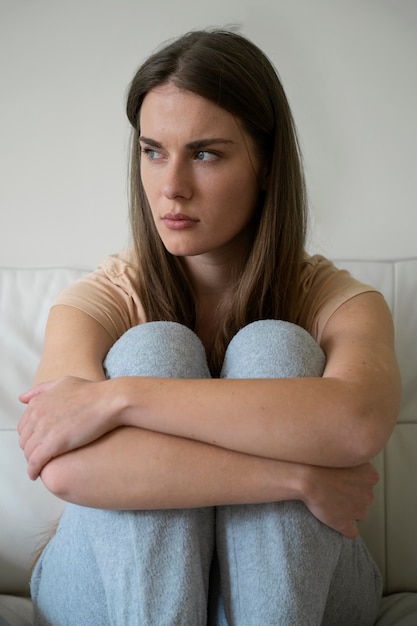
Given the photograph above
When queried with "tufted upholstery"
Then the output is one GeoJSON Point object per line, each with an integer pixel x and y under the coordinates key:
{"type": "Point", "coordinates": [27, 509]}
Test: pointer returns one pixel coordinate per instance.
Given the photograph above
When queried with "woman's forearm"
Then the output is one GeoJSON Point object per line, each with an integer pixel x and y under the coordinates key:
{"type": "Point", "coordinates": [318, 421]}
{"type": "Point", "coordinates": [134, 469]}
{"type": "Point", "coordinates": [314, 421]}
{"type": "Point", "coordinates": [131, 468]}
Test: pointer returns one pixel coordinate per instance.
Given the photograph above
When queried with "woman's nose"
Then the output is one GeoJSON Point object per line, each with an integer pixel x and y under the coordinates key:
{"type": "Point", "coordinates": [177, 181]}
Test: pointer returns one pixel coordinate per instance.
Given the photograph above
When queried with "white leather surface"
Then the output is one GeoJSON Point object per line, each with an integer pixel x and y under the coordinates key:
{"type": "Point", "coordinates": [391, 529]}
{"type": "Point", "coordinates": [399, 609]}
{"type": "Point", "coordinates": [27, 509]}
{"type": "Point", "coordinates": [15, 611]}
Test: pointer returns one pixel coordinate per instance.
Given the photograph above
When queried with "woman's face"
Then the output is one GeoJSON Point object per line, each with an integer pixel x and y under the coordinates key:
{"type": "Point", "coordinates": [199, 171]}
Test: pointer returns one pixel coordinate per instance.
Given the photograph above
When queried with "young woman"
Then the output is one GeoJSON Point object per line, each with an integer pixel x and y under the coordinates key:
{"type": "Point", "coordinates": [208, 402]}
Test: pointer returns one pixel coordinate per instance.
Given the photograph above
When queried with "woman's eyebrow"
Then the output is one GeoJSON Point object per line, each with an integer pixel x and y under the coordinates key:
{"type": "Point", "coordinates": [198, 144]}
{"type": "Point", "coordinates": [150, 142]}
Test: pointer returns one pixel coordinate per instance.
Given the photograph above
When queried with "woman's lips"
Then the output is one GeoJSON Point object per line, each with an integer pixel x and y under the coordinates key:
{"type": "Point", "coordinates": [178, 221]}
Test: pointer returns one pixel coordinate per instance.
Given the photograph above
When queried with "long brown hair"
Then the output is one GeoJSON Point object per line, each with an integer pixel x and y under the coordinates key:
{"type": "Point", "coordinates": [229, 70]}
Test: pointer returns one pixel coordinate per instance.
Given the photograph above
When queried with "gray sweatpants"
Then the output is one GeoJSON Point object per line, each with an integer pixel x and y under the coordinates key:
{"type": "Point", "coordinates": [246, 565]}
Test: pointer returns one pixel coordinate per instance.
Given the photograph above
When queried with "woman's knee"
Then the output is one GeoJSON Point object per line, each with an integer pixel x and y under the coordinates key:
{"type": "Point", "coordinates": [162, 349]}
{"type": "Point", "coordinates": [273, 349]}
{"type": "Point", "coordinates": [125, 532]}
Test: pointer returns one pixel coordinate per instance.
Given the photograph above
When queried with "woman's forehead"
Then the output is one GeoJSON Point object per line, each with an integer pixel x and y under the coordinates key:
{"type": "Point", "coordinates": [170, 111]}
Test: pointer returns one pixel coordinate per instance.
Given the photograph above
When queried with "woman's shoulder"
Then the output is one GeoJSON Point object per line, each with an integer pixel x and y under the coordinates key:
{"type": "Point", "coordinates": [116, 271]}
{"type": "Point", "coordinates": [316, 265]}
{"type": "Point", "coordinates": [324, 287]}
{"type": "Point", "coordinates": [109, 294]}
{"type": "Point", "coordinates": [318, 272]}
{"type": "Point", "coordinates": [119, 266]}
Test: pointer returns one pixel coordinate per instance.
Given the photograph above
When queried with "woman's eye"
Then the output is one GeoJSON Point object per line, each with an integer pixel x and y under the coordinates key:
{"type": "Point", "coordinates": [151, 153]}
{"type": "Point", "coordinates": [204, 155]}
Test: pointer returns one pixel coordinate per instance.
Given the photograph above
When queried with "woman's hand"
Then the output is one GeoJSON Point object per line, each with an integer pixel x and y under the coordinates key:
{"type": "Point", "coordinates": [340, 497]}
{"type": "Point", "coordinates": [62, 415]}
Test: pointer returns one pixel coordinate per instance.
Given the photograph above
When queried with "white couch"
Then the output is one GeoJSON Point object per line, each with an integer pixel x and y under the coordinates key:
{"type": "Point", "coordinates": [27, 509]}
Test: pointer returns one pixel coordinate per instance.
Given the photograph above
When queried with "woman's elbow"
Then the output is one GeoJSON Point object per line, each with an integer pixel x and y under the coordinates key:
{"type": "Point", "coordinates": [372, 429]}
{"type": "Point", "coordinates": [58, 476]}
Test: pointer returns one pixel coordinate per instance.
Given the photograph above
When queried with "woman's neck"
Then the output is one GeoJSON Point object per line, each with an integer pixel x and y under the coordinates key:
{"type": "Point", "coordinates": [210, 283]}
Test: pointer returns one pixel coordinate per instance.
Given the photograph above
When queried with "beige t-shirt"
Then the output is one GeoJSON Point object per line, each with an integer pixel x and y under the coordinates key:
{"type": "Point", "coordinates": [110, 295]}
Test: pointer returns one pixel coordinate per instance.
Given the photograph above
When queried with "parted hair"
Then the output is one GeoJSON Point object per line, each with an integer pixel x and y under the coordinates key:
{"type": "Point", "coordinates": [229, 70]}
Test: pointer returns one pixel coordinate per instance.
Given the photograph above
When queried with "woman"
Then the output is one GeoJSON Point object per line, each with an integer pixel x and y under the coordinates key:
{"type": "Point", "coordinates": [215, 395]}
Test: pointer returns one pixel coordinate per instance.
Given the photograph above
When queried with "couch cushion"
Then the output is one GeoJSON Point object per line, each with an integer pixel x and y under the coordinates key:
{"type": "Point", "coordinates": [28, 510]}
{"type": "Point", "coordinates": [399, 609]}
{"type": "Point", "coordinates": [15, 611]}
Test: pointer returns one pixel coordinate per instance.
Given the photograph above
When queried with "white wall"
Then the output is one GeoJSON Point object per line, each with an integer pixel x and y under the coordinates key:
{"type": "Point", "coordinates": [349, 69]}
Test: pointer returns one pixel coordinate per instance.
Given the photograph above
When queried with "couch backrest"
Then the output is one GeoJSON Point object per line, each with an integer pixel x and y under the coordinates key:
{"type": "Point", "coordinates": [391, 528]}
{"type": "Point", "coordinates": [27, 510]}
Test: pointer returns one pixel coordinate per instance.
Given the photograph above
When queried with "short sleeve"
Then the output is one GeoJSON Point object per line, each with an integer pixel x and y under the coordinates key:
{"type": "Point", "coordinates": [323, 289]}
{"type": "Point", "coordinates": [109, 295]}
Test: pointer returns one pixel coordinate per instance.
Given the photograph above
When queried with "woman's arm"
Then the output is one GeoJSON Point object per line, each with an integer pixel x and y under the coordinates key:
{"type": "Point", "coordinates": [75, 344]}
{"type": "Point", "coordinates": [136, 468]}
{"type": "Point", "coordinates": [340, 420]}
